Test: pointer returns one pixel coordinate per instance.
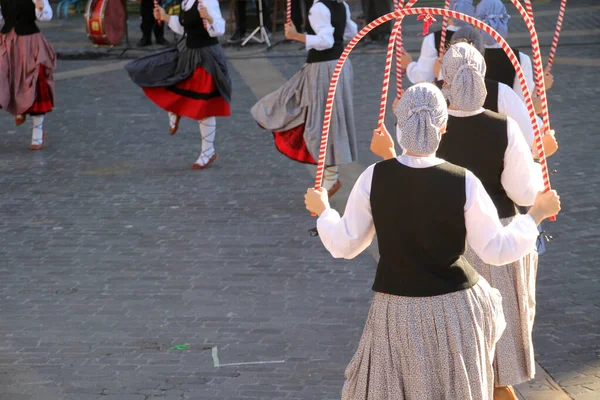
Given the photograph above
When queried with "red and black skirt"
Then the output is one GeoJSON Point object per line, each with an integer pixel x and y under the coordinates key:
{"type": "Point", "coordinates": [190, 82]}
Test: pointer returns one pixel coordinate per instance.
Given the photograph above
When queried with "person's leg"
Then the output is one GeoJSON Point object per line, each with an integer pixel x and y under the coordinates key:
{"type": "Point", "coordinates": [297, 16]}
{"type": "Point", "coordinates": [307, 5]}
{"type": "Point", "coordinates": [208, 129]}
{"type": "Point", "coordinates": [173, 123]}
{"type": "Point", "coordinates": [266, 11]}
{"type": "Point", "coordinates": [37, 136]}
{"type": "Point", "coordinates": [148, 22]}
{"type": "Point", "coordinates": [159, 30]}
{"type": "Point", "coordinates": [240, 22]}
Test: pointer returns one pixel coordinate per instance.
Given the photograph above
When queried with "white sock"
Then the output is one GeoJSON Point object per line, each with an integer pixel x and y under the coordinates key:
{"type": "Point", "coordinates": [330, 177]}
{"type": "Point", "coordinates": [37, 136]}
{"type": "Point", "coordinates": [208, 129]}
{"type": "Point", "coordinates": [172, 120]}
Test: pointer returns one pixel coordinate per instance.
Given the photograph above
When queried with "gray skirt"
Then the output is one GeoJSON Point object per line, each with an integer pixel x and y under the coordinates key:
{"type": "Point", "coordinates": [515, 361]}
{"type": "Point", "coordinates": [167, 68]}
{"type": "Point", "coordinates": [301, 100]}
{"type": "Point", "coordinates": [428, 348]}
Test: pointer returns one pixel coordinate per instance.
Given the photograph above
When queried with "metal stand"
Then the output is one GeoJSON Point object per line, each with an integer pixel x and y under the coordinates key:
{"type": "Point", "coordinates": [264, 37]}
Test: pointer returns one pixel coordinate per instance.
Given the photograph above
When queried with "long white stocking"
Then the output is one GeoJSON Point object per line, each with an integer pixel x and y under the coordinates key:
{"type": "Point", "coordinates": [172, 120]}
{"type": "Point", "coordinates": [37, 136]}
{"type": "Point", "coordinates": [330, 177]}
{"type": "Point", "coordinates": [208, 130]}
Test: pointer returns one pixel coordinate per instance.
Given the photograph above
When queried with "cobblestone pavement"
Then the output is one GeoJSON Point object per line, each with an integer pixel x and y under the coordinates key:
{"type": "Point", "coordinates": [115, 251]}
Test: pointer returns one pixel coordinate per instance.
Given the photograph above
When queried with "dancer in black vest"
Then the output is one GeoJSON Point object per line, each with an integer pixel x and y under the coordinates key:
{"type": "Point", "coordinates": [502, 99]}
{"type": "Point", "coordinates": [27, 64]}
{"type": "Point", "coordinates": [295, 112]}
{"type": "Point", "coordinates": [190, 80]}
{"type": "Point", "coordinates": [434, 321]}
{"type": "Point", "coordinates": [423, 69]}
{"type": "Point", "coordinates": [500, 69]}
{"type": "Point", "coordinates": [492, 146]}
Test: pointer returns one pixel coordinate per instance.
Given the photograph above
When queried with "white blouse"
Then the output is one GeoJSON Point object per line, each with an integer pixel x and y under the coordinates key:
{"type": "Point", "coordinates": [527, 67]}
{"type": "Point", "coordinates": [422, 69]}
{"type": "Point", "coordinates": [521, 177]}
{"type": "Point", "coordinates": [212, 6]}
{"type": "Point", "coordinates": [44, 15]}
{"type": "Point", "coordinates": [348, 236]}
{"type": "Point", "coordinates": [510, 104]}
{"type": "Point", "coordinates": [319, 17]}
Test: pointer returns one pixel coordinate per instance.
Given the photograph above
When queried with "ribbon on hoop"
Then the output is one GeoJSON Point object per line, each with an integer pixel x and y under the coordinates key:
{"type": "Point", "coordinates": [427, 21]}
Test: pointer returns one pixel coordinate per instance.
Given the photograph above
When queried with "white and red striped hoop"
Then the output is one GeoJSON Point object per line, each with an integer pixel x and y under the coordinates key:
{"type": "Point", "coordinates": [434, 11]}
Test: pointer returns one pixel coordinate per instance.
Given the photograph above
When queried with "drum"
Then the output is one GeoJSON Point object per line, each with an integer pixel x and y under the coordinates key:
{"type": "Point", "coordinates": [105, 21]}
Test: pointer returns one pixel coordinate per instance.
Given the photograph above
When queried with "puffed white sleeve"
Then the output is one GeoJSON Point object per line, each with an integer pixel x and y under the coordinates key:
{"type": "Point", "coordinates": [45, 14]}
{"type": "Point", "coordinates": [175, 25]}
{"type": "Point", "coordinates": [511, 105]}
{"type": "Point", "coordinates": [493, 243]}
{"type": "Point", "coordinates": [422, 69]}
{"type": "Point", "coordinates": [351, 28]}
{"type": "Point", "coordinates": [521, 177]}
{"type": "Point", "coordinates": [217, 28]}
{"type": "Point", "coordinates": [348, 236]}
{"type": "Point", "coordinates": [319, 18]}
{"type": "Point", "coordinates": [527, 67]}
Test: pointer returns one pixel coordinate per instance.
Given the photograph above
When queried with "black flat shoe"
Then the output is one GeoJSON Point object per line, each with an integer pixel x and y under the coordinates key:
{"type": "Point", "coordinates": [163, 42]}
{"type": "Point", "coordinates": [144, 42]}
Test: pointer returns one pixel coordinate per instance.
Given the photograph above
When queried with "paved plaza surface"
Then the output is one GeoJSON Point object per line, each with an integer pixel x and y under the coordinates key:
{"type": "Point", "coordinates": [126, 275]}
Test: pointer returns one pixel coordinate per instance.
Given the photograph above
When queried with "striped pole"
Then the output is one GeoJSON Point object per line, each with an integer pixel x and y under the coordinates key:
{"type": "Point", "coordinates": [288, 11]}
{"type": "Point", "coordinates": [443, 33]}
{"type": "Point", "coordinates": [399, 50]}
{"type": "Point", "coordinates": [537, 62]}
{"type": "Point", "coordinates": [559, 22]}
{"type": "Point", "coordinates": [388, 70]}
{"type": "Point", "coordinates": [529, 8]}
{"type": "Point", "coordinates": [446, 13]}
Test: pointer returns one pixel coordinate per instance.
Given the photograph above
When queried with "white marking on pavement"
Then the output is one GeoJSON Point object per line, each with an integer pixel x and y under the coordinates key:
{"type": "Point", "coordinates": [217, 364]}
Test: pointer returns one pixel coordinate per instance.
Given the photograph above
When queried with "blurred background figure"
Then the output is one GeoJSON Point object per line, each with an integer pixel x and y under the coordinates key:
{"type": "Point", "coordinates": [240, 10]}
{"type": "Point", "coordinates": [149, 25]}
{"type": "Point", "coordinates": [374, 9]}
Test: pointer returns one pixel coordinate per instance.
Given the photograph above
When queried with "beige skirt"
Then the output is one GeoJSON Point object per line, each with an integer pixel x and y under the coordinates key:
{"type": "Point", "coordinates": [515, 361]}
{"type": "Point", "coordinates": [428, 348]}
{"type": "Point", "coordinates": [20, 60]}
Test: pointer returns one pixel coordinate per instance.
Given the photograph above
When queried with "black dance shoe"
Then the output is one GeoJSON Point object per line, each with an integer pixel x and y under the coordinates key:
{"type": "Point", "coordinates": [144, 42]}
{"type": "Point", "coordinates": [162, 41]}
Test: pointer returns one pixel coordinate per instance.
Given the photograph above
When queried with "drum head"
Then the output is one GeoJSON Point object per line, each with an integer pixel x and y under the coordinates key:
{"type": "Point", "coordinates": [114, 21]}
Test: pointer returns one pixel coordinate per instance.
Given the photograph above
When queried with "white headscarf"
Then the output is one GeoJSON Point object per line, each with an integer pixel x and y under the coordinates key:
{"type": "Point", "coordinates": [463, 68]}
{"type": "Point", "coordinates": [421, 114]}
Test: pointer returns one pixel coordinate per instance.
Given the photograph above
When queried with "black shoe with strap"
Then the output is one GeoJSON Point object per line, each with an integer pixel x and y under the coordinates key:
{"type": "Point", "coordinates": [162, 41]}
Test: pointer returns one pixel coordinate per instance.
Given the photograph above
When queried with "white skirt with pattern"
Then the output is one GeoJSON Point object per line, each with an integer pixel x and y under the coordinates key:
{"type": "Point", "coordinates": [428, 348]}
{"type": "Point", "coordinates": [515, 361]}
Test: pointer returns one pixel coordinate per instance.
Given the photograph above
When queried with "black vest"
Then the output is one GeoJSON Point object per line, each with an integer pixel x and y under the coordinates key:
{"type": "Point", "coordinates": [420, 223]}
{"type": "Point", "coordinates": [491, 100]}
{"type": "Point", "coordinates": [437, 35]}
{"type": "Point", "coordinates": [20, 15]}
{"type": "Point", "coordinates": [499, 67]}
{"type": "Point", "coordinates": [478, 143]}
{"type": "Point", "coordinates": [196, 35]}
{"type": "Point", "coordinates": [338, 21]}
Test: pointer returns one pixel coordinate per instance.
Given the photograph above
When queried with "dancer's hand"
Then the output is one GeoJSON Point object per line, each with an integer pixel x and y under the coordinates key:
{"type": "Point", "coordinates": [548, 79]}
{"type": "Point", "coordinates": [292, 34]}
{"type": "Point", "coordinates": [316, 201]}
{"type": "Point", "coordinates": [406, 59]}
{"type": "Point", "coordinates": [437, 66]}
{"type": "Point", "coordinates": [549, 142]}
{"type": "Point", "coordinates": [160, 14]}
{"type": "Point", "coordinates": [204, 13]}
{"type": "Point", "coordinates": [382, 143]}
{"type": "Point", "coordinates": [546, 205]}
{"type": "Point", "coordinates": [39, 4]}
